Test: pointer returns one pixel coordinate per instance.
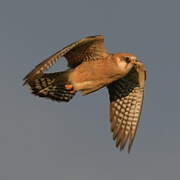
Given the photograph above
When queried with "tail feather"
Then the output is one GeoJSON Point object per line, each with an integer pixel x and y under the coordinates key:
{"type": "Point", "coordinates": [52, 86]}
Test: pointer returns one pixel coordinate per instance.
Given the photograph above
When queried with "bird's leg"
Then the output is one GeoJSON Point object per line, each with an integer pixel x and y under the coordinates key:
{"type": "Point", "coordinates": [70, 88]}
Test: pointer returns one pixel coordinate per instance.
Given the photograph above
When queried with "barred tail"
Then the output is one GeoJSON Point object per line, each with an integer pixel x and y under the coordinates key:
{"type": "Point", "coordinates": [52, 86]}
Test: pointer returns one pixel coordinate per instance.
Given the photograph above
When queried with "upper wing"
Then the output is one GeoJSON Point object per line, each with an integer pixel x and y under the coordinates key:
{"type": "Point", "coordinates": [89, 48]}
{"type": "Point", "coordinates": [126, 97]}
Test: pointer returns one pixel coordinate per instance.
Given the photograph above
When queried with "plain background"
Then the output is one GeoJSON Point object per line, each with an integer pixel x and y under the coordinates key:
{"type": "Point", "coordinates": [43, 140]}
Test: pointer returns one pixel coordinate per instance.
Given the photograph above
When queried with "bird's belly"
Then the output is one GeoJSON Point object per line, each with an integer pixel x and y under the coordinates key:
{"type": "Point", "coordinates": [89, 84]}
{"type": "Point", "coordinates": [92, 76]}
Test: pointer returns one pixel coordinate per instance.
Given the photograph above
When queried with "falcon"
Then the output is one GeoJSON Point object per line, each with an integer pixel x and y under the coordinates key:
{"type": "Point", "coordinates": [90, 68]}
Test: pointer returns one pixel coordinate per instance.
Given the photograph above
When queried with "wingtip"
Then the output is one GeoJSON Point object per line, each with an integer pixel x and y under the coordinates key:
{"type": "Point", "coordinates": [99, 36]}
{"type": "Point", "coordinates": [129, 150]}
{"type": "Point", "coordinates": [130, 145]}
{"type": "Point", "coordinates": [24, 80]}
{"type": "Point", "coordinates": [24, 83]}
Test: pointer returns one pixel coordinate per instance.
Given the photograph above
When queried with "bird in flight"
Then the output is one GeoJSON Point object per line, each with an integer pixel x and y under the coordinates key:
{"type": "Point", "coordinates": [91, 68]}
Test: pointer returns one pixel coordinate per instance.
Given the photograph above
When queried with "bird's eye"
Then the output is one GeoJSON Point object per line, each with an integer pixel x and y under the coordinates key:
{"type": "Point", "coordinates": [127, 59]}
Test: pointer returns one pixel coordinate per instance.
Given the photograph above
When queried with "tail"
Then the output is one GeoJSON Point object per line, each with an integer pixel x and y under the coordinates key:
{"type": "Point", "coordinates": [52, 86]}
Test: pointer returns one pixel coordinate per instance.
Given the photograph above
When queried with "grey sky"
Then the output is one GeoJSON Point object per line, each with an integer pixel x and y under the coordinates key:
{"type": "Point", "coordinates": [44, 140]}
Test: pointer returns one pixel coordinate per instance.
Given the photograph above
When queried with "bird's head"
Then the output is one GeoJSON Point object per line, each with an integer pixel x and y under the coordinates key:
{"type": "Point", "coordinates": [125, 61]}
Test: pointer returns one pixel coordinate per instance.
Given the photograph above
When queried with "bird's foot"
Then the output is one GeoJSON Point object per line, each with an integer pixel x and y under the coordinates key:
{"type": "Point", "coordinates": [70, 88]}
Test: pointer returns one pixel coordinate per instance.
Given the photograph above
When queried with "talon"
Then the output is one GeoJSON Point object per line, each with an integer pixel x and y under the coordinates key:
{"type": "Point", "coordinates": [68, 86]}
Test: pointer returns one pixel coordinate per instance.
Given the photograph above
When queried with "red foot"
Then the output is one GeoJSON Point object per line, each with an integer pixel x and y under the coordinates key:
{"type": "Point", "coordinates": [69, 87]}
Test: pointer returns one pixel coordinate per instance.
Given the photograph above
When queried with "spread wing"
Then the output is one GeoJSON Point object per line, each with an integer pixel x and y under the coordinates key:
{"type": "Point", "coordinates": [86, 49]}
{"type": "Point", "coordinates": [126, 98]}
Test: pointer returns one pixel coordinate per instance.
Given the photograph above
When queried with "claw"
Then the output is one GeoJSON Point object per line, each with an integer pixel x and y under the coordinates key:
{"type": "Point", "coordinates": [68, 86]}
